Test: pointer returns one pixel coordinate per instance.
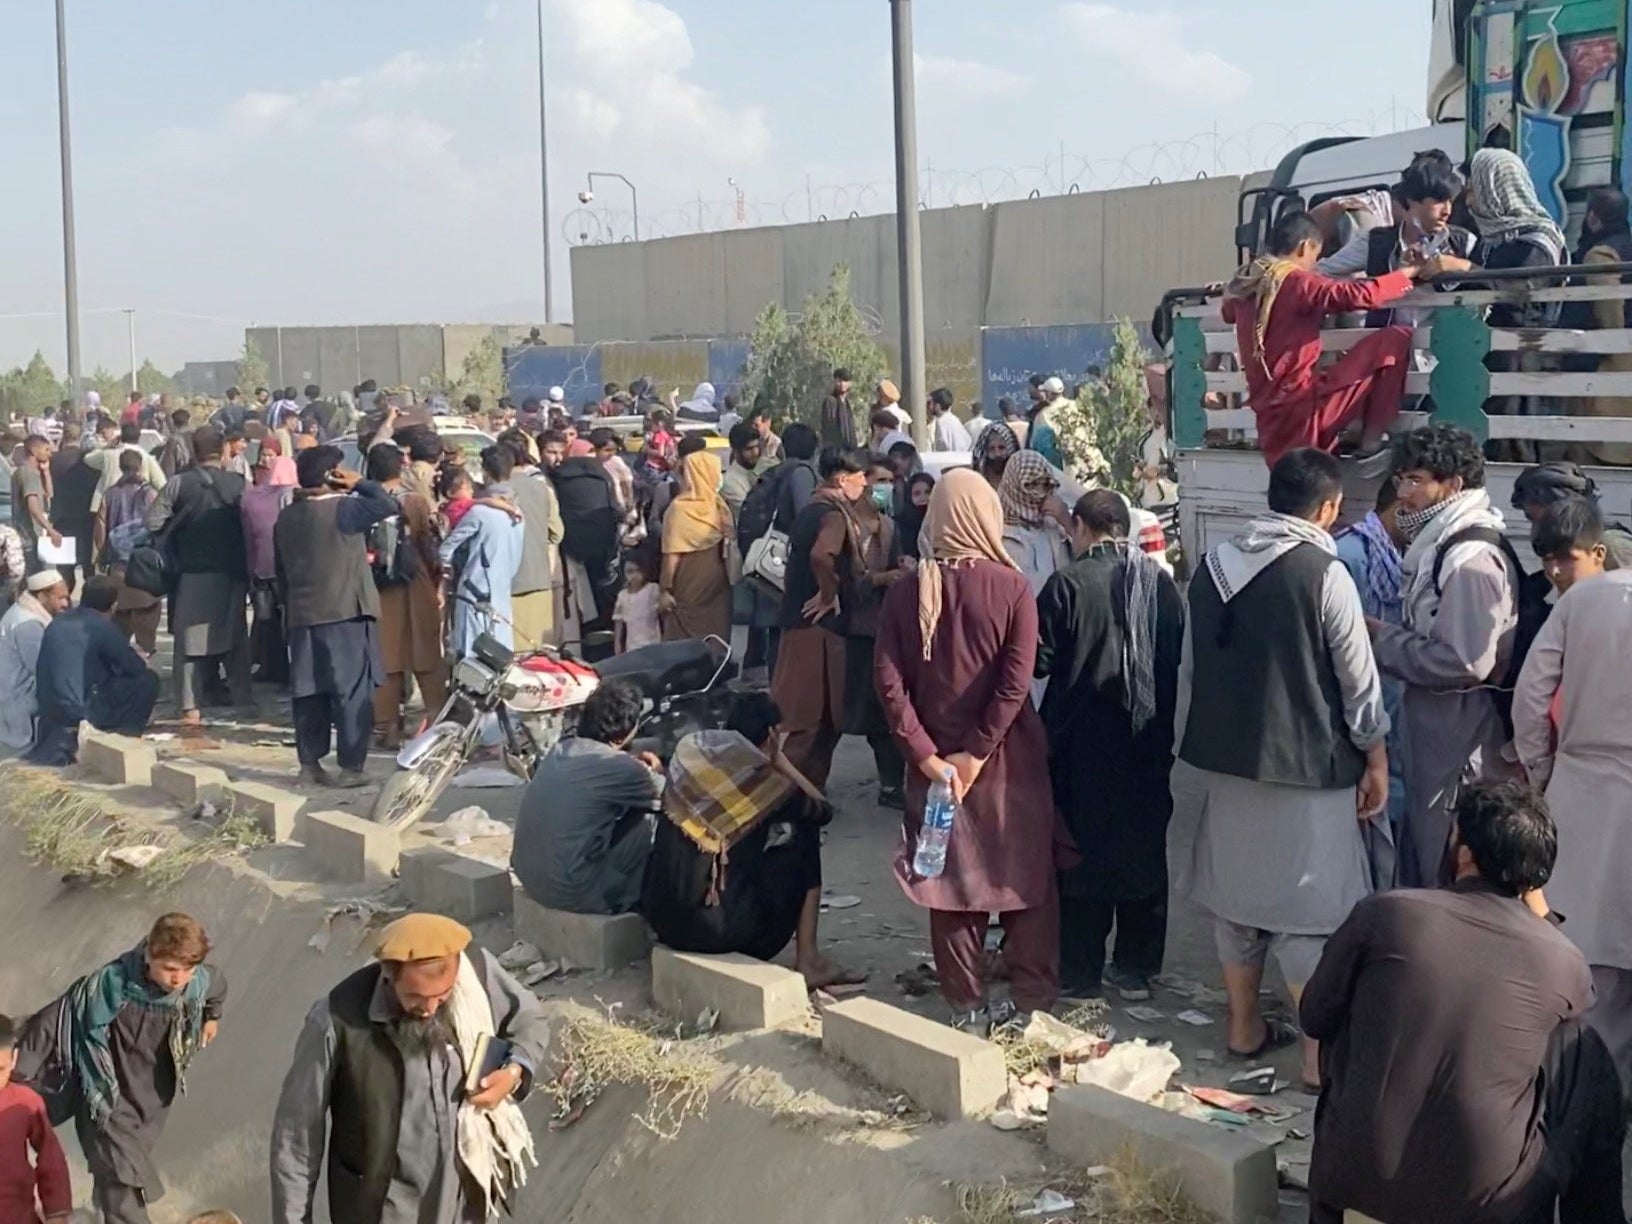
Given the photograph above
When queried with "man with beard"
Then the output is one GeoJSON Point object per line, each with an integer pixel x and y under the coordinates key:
{"type": "Point", "coordinates": [379, 1078]}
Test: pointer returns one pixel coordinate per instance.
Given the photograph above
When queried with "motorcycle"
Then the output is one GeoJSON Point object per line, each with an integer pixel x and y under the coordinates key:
{"type": "Point", "coordinates": [534, 698]}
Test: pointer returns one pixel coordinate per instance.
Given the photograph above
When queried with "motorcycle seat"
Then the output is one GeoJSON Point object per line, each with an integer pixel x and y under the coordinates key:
{"type": "Point", "coordinates": [667, 667]}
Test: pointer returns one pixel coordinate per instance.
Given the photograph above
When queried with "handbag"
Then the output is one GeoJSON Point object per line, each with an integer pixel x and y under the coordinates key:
{"type": "Point", "coordinates": [767, 562]}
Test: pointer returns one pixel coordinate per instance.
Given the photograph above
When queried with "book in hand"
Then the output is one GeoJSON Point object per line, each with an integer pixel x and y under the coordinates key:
{"type": "Point", "coordinates": [492, 1054]}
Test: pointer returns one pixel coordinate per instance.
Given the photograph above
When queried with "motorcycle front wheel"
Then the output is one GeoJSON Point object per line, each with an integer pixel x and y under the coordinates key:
{"type": "Point", "coordinates": [410, 793]}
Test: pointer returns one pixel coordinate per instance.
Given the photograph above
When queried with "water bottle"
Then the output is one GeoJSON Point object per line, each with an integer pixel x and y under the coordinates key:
{"type": "Point", "coordinates": [929, 860]}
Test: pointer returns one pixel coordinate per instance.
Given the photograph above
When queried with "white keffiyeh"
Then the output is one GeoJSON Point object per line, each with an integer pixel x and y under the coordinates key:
{"type": "Point", "coordinates": [494, 1145]}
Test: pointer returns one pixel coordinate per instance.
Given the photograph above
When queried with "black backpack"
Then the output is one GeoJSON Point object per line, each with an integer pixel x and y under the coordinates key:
{"type": "Point", "coordinates": [45, 1058]}
{"type": "Point", "coordinates": [390, 553]}
{"type": "Point", "coordinates": [759, 507]}
{"type": "Point", "coordinates": [1531, 593]}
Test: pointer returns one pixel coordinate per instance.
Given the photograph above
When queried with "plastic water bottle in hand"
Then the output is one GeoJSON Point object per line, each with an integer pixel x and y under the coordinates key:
{"type": "Point", "coordinates": [929, 860]}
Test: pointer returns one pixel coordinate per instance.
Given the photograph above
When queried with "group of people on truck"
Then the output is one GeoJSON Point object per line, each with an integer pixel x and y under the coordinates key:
{"type": "Point", "coordinates": [1436, 220]}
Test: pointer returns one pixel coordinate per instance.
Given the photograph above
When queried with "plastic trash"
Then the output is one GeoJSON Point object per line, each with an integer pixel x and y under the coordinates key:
{"type": "Point", "coordinates": [940, 808]}
{"type": "Point", "coordinates": [469, 823]}
{"type": "Point", "coordinates": [1047, 1203]}
{"type": "Point", "coordinates": [1131, 1069]}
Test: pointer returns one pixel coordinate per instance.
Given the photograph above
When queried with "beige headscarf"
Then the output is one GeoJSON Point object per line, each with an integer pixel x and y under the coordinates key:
{"type": "Point", "coordinates": [964, 523]}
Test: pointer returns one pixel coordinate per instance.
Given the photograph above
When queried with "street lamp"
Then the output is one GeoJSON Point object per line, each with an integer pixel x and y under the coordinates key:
{"type": "Point", "coordinates": [585, 197]}
{"type": "Point", "coordinates": [544, 172]}
{"type": "Point", "coordinates": [70, 272]}
{"type": "Point", "coordinates": [130, 325]}
{"type": "Point", "coordinates": [911, 261]}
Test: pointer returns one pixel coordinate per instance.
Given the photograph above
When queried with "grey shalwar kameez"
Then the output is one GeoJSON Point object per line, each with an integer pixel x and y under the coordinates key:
{"type": "Point", "coordinates": [1451, 646]}
{"type": "Point", "coordinates": [426, 1187]}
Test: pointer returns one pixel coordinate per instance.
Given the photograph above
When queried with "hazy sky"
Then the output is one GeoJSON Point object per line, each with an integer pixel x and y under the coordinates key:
{"type": "Point", "coordinates": [357, 161]}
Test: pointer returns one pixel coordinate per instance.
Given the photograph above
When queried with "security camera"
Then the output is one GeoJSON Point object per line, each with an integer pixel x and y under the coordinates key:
{"type": "Point", "coordinates": [585, 197]}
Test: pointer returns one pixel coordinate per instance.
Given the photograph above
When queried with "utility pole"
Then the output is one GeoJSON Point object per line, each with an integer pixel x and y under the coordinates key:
{"type": "Point", "coordinates": [544, 173]}
{"type": "Point", "coordinates": [130, 326]}
{"type": "Point", "coordinates": [70, 270]}
{"type": "Point", "coordinates": [911, 259]}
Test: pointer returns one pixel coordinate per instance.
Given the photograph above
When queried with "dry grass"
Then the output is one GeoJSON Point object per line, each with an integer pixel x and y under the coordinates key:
{"type": "Point", "coordinates": [598, 1052]}
{"type": "Point", "coordinates": [1134, 1193]}
{"type": "Point", "coordinates": [71, 832]}
{"type": "Point", "coordinates": [989, 1204]}
{"type": "Point", "coordinates": [1025, 1055]}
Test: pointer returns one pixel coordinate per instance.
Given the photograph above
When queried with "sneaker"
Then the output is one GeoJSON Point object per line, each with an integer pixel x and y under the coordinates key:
{"type": "Point", "coordinates": [356, 779]}
{"type": "Point", "coordinates": [1131, 986]}
{"type": "Point", "coordinates": [316, 775]}
{"type": "Point", "coordinates": [893, 798]}
{"type": "Point", "coordinates": [978, 1022]}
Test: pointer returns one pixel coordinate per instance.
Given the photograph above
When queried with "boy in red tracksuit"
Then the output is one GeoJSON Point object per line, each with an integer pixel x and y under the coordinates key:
{"type": "Point", "coordinates": [29, 1188]}
{"type": "Point", "coordinates": [1277, 304]}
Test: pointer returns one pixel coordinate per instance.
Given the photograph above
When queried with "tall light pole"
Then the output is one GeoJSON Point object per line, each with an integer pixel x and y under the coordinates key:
{"type": "Point", "coordinates": [910, 248]}
{"type": "Point", "coordinates": [70, 270]}
{"type": "Point", "coordinates": [634, 196]}
{"type": "Point", "coordinates": [130, 326]}
{"type": "Point", "coordinates": [544, 172]}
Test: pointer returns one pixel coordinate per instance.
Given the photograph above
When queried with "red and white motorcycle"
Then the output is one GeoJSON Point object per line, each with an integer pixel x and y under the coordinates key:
{"type": "Point", "coordinates": [534, 697]}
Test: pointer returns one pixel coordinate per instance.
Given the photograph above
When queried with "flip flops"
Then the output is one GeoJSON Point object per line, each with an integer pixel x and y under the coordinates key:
{"type": "Point", "coordinates": [1277, 1036]}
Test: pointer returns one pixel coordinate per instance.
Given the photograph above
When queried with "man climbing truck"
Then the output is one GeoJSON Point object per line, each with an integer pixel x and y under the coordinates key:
{"type": "Point", "coordinates": [1539, 79]}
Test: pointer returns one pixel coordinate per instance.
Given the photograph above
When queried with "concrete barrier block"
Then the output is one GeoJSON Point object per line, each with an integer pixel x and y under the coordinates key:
{"type": "Point", "coordinates": [189, 784]}
{"type": "Point", "coordinates": [953, 1075]}
{"type": "Point", "coordinates": [587, 941]}
{"type": "Point", "coordinates": [1227, 1174]}
{"type": "Point", "coordinates": [117, 758]}
{"type": "Point", "coordinates": [747, 993]}
{"type": "Point", "coordinates": [349, 848]}
{"type": "Point", "coordinates": [276, 810]}
{"type": "Point", "coordinates": [446, 883]}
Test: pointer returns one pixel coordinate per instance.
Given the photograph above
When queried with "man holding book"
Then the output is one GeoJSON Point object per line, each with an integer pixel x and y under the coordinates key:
{"type": "Point", "coordinates": [409, 1072]}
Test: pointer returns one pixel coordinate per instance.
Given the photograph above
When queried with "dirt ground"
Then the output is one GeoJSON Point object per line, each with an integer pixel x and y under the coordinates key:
{"type": "Point", "coordinates": [872, 925]}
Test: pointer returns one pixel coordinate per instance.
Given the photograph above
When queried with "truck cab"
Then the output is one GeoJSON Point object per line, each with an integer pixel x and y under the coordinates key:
{"type": "Point", "coordinates": [1547, 80]}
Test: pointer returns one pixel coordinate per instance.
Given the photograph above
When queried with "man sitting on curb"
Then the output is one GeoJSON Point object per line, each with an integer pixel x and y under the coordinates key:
{"type": "Point", "coordinates": [1460, 1085]}
{"type": "Point", "coordinates": [89, 672]}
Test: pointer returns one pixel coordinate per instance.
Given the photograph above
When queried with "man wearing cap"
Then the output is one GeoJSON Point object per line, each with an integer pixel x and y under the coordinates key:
{"type": "Point", "coordinates": [379, 1079]}
{"type": "Point", "coordinates": [1540, 487]}
{"type": "Point", "coordinates": [1045, 425]}
{"type": "Point", "coordinates": [887, 398]}
{"type": "Point", "coordinates": [21, 630]}
{"type": "Point", "coordinates": [558, 399]}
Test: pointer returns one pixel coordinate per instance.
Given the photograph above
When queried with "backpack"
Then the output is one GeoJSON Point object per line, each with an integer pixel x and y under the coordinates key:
{"type": "Point", "coordinates": [45, 1059]}
{"type": "Point", "coordinates": [759, 508]}
{"type": "Point", "coordinates": [391, 553]}
{"type": "Point", "coordinates": [126, 538]}
{"type": "Point", "coordinates": [1529, 594]}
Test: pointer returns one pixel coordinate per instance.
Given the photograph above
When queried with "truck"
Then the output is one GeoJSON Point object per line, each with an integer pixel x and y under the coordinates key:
{"type": "Point", "coordinates": [1546, 78]}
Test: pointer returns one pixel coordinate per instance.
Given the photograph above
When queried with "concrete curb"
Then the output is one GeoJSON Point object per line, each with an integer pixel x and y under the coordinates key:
{"type": "Point", "coordinates": [951, 1074]}
{"type": "Point", "coordinates": [117, 758]}
{"type": "Point", "coordinates": [190, 783]}
{"type": "Point", "coordinates": [348, 848]}
{"type": "Point", "coordinates": [1229, 1175]}
{"type": "Point", "coordinates": [746, 993]}
{"type": "Point", "coordinates": [277, 811]}
{"type": "Point", "coordinates": [586, 941]}
{"type": "Point", "coordinates": [464, 888]}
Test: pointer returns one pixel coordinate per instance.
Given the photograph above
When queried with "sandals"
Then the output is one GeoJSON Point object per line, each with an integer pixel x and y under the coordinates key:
{"type": "Point", "coordinates": [1277, 1036]}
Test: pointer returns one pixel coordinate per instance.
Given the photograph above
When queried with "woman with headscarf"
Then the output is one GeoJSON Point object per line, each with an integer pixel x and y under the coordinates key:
{"type": "Point", "coordinates": [696, 598]}
{"type": "Point", "coordinates": [957, 644]}
{"type": "Point", "coordinates": [1035, 525]}
{"type": "Point", "coordinates": [994, 448]}
{"type": "Point", "coordinates": [272, 490]}
{"type": "Point", "coordinates": [1110, 636]}
{"type": "Point", "coordinates": [909, 520]}
{"type": "Point", "coordinates": [1515, 231]}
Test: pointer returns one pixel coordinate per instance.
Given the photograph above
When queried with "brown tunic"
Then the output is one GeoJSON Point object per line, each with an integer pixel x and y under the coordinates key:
{"type": "Point", "coordinates": [410, 626]}
{"type": "Point", "coordinates": [702, 597]}
{"type": "Point", "coordinates": [974, 696]}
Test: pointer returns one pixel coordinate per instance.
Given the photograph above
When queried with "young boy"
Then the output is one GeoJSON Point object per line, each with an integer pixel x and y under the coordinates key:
{"type": "Point", "coordinates": [1568, 536]}
{"type": "Point", "coordinates": [29, 1189]}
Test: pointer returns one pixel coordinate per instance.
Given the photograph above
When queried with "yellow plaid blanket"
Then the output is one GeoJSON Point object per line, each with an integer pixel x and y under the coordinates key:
{"type": "Point", "coordinates": [719, 787]}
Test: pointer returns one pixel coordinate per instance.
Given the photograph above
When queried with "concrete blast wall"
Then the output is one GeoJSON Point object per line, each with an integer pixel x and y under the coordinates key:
{"type": "Point", "coordinates": [392, 354]}
{"type": "Point", "coordinates": [1027, 263]}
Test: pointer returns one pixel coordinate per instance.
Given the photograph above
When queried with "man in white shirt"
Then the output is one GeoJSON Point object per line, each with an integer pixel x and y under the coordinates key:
{"type": "Point", "coordinates": [106, 462]}
{"type": "Point", "coordinates": [946, 432]}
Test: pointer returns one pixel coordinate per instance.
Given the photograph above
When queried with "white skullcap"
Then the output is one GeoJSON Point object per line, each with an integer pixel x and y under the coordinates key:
{"type": "Point", "coordinates": [43, 581]}
{"type": "Point", "coordinates": [1053, 386]}
{"type": "Point", "coordinates": [557, 395]}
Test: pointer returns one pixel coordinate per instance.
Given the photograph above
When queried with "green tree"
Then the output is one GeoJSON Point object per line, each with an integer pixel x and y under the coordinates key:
{"type": "Point", "coordinates": [791, 360]}
{"type": "Point", "coordinates": [252, 368]}
{"type": "Point", "coordinates": [482, 372]}
{"type": "Point", "coordinates": [150, 380]}
{"type": "Point", "coordinates": [25, 390]}
{"type": "Point", "coordinates": [1102, 433]}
